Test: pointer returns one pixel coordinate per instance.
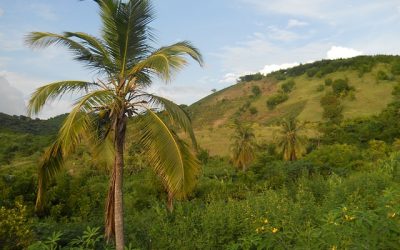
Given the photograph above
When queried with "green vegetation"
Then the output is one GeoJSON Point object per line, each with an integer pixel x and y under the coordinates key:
{"type": "Point", "coordinates": [289, 141]}
{"type": "Point", "coordinates": [251, 77]}
{"type": "Point", "coordinates": [301, 158]}
{"type": "Point", "coordinates": [332, 108]}
{"type": "Point", "coordinates": [288, 86]}
{"type": "Point", "coordinates": [243, 145]}
{"type": "Point", "coordinates": [276, 99]}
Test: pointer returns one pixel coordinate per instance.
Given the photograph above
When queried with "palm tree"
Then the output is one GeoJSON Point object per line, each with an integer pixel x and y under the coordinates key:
{"type": "Point", "coordinates": [243, 146]}
{"type": "Point", "coordinates": [126, 64]}
{"type": "Point", "coordinates": [290, 143]}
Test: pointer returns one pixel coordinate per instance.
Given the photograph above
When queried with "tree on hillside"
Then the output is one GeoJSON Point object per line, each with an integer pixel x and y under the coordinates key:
{"type": "Point", "coordinates": [289, 141]}
{"type": "Point", "coordinates": [126, 64]}
{"type": "Point", "coordinates": [243, 146]}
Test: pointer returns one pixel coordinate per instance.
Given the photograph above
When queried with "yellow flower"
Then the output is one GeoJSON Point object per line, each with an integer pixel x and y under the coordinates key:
{"type": "Point", "coordinates": [265, 221]}
{"type": "Point", "coordinates": [344, 209]}
{"type": "Point", "coordinates": [349, 218]}
{"type": "Point", "coordinates": [334, 247]}
{"type": "Point", "coordinates": [274, 230]}
{"type": "Point", "coordinates": [392, 215]}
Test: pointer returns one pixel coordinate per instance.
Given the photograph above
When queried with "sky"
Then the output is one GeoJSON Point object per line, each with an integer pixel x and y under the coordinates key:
{"type": "Point", "coordinates": [236, 37]}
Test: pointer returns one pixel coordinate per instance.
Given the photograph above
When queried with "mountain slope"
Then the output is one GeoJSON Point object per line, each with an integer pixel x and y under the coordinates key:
{"type": "Point", "coordinates": [371, 79]}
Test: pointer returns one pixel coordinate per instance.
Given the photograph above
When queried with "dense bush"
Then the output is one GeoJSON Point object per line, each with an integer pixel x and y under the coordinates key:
{"type": "Point", "coordinates": [250, 77]}
{"type": "Point", "coordinates": [332, 108]}
{"type": "Point", "coordinates": [328, 82]}
{"type": "Point", "coordinates": [253, 110]}
{"type": "Point", "coordinates": [288, 86]}
{"type": "Point", "coordinates": [341, 87]}
{"type": "Point", "coordinates": [382, 75]}
{"type": "Point", "coordinates": [256, 91]}
{"type": "Point", "coordinates": [276, 99]}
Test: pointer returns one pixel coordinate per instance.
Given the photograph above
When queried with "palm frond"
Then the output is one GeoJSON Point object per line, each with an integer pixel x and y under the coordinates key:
{"type": "Point", "coordinates": [53, 90]}
{"type": "Point", "coordinates": [125, 30]}
{"type": "Point", "coordinates": [176, 114]}
{"type": "Point", "coordinates": [100, 56]}
{"type": "Point", "coordinates": [49, 165]}
{"type": "Point", "coordinates": [170, 157]}
{"type": "Point", "coordinates": [165, 61]}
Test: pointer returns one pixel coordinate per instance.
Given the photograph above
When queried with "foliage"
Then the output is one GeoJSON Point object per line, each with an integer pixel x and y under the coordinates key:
{"type": "Point", "coordinates": [382, 75]}
{"type": "Point", "coordinates": [256, 91]}
{"type": "Point", "coordinates": [341, 87]}
{"type": "Point", "coordinates": [242, 146]}
{"type": "Point", "coordinates": [276, 99]}
{"type": "Point", "coordinates": [328, 81]}
{"type": "Point", "coordinates": [320, 88]}
{"type": "Point", "coordinates": [15, 231]}
{"type": "Point", "coordinates": [26, 125]}
{"type": "Point", "coordinates": [288, 86]}
{"type": "Point", "coordinates": [290, 143]}
{"type": "Point", "coordinates": [332, 108]}
{"type": "Point", "coordinates": [253, 110]}
{"type": "Point", "coordinates": [250, 77]}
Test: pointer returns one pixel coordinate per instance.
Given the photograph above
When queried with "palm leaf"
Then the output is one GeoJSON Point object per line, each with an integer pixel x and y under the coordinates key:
{"type": "Point", "coordinates": [49, 165]}
{"type": "Point", "coordinates": [167, 155]}
{"type": "Point", "coordinates": [176, 114]}
{"type": "Point", "coordinates": [167, 60]}
{"type": "Point", "coordinates": [53, 90]}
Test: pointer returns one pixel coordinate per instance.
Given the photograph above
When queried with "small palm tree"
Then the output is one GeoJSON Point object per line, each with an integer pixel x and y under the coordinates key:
{"type": "Point", "coordinates": [289, 142]}
{"type": "Point", "coordinates": [243, 146]}
{"type": "Point", "coordinates": [126, 64]}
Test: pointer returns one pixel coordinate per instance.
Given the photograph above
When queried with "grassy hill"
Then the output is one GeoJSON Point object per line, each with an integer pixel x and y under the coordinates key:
{"type": "Point", "coordinates": [372, 79]}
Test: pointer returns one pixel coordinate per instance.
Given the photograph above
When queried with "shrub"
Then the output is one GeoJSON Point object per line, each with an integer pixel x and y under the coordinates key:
{"type": "Point", "coordinates": [328, 82]}
{"type": "Point", "coordinates": [312, 72]}
{"type": "Point", "coordinates": [341, 87]}
{"type": "Point", "coordinates": [381, 75]}
{"type": "Point", "coordinates": [396, 68]}
{"type": "Point", "coordinates": [332, 108]}
{"type": "Point", "coordinates": [321, 88]}
{"type": "Point", "coordinates": [276, 99]}
{"type": "Point", "coordinates": [251, 77]}
{"type": "Point", "coordinates": [256, 91]}
{"type": "Point", "coordinates": [288, 86]}
{"type": "Point", "coordinates": [253, 110]}
{"type": "Point", "coordinates": [15, 231]}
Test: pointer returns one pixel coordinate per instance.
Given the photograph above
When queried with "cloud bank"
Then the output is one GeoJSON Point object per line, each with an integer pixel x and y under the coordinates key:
{"type": "Point", "coordinates": [11, 101]}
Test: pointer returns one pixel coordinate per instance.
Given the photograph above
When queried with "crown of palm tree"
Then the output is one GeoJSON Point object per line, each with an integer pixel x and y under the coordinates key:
{"type": "Point", "coordinates": [289, 141]}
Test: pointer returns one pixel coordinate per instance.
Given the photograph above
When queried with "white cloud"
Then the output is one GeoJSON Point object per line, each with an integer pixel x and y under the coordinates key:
{"type": "Point", "coordinates": [292, 23]}
{"type": "Point", "coordinates": [229, 78]}
{"type": "Point", "coordinates": [180, 94]}
{"type": "Point", "coordinates": [55, 108]}
{"type": "Point", "coordinates": [11, 101]}
{"type": "Point", "coordinates": [1, 12]}
{"type": "Point", "coordinates": [336, 52]}
{"type": "Point", "coordinates": [275, 67]}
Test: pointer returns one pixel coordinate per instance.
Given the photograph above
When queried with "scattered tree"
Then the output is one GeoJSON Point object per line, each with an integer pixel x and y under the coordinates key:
{"type": "Point", "coordinates": [243, 146]}
{"type": "Point", "coordinates": [289, 141]}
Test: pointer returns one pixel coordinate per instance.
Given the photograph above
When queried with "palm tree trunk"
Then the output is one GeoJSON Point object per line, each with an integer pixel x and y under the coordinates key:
{"type": "Point", "coordinates": [119, 168]}
{"type": "Point", "coordinates": [110, 213]}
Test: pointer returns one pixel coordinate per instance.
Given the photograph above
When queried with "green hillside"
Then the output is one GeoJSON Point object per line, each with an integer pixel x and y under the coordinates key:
{"type": "Point", "coordinates": [371, 79]}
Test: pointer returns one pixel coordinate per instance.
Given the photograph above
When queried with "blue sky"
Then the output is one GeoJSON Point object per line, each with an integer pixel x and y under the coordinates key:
{"type": "Point", "coordinates": [236, 37]}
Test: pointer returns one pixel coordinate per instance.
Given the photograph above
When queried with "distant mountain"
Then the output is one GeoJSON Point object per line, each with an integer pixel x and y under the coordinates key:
{"type": "Point", "coordinates": [23, 124]}
{"type": "Point", "coordinates": [295, 92]}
